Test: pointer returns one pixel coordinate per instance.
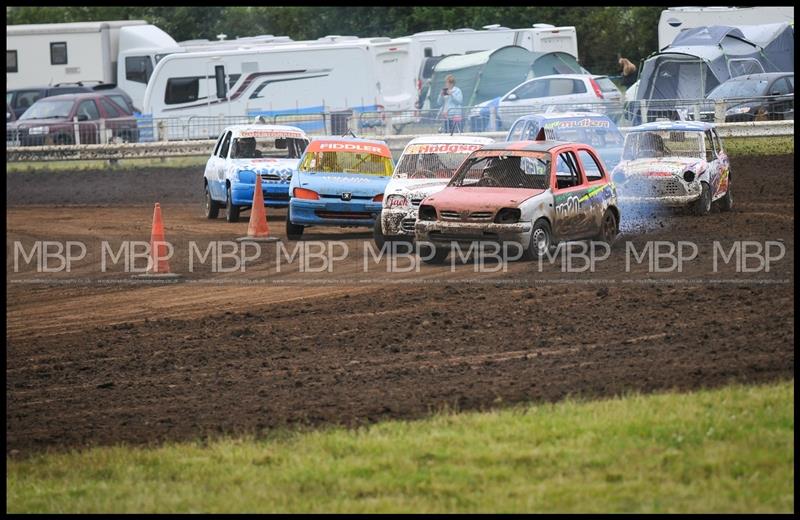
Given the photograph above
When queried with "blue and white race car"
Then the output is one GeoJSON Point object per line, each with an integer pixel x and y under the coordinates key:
{"type": "Point", "coordinates": [244, 153]}
{"type": "Point", "coordinates": [340, 182]}
{"type": "Point", "coordinates": [596, 130]}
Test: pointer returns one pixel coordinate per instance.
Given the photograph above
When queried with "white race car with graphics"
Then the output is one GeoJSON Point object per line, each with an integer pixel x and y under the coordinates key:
{"type": "Point", "coordinates": [244, 153]}
{"type": "Point", "coordinates": [425, 167]}
{"type": "Point", "coordinates": [674, 164]}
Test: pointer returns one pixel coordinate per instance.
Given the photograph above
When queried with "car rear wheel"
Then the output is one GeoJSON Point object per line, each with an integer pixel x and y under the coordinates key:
{"type": "Point", "coordinates": [293, 231]}
{"type": "Point", "coordinates": [726, 202]}
{"type": "Point", "coordinates": [703, 205]}
{"type": "Point", "coordinates": [609, 229]}
{"type": "Point", "coordinates": [541, 240]}
{"type": "Point", "coordinates": [211, 206]}
{"type": "Point", "coordinates": [231, 210]}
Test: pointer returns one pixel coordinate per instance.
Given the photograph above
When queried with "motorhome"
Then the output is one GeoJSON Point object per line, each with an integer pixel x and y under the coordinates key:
{"type": "Point", "coordinates": [281, 82]}
{"type": "Point", "coordinates": [122, 52]}
{"type": "Point", "coordinates": [675, 19]}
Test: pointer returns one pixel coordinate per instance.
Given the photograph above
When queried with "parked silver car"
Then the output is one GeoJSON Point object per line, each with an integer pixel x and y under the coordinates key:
{"type": "Point", "coordinates": [558, 92]}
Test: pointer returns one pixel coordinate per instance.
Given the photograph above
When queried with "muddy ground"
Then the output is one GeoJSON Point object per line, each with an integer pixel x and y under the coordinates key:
{"type": "Point", "coordinates": [99, 357]}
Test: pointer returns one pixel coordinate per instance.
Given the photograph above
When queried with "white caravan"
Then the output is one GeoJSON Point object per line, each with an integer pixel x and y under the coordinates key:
{"type": "Point", "coordinates": [675, 19]}
{"type": "Point", "coordinates": [122, 52]}
{"type": "Point", "coordinates": [284, 83]}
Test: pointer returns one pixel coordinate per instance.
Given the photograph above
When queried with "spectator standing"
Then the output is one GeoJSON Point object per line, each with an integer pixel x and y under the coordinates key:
{"type": "Point", "coordinates": [628, 71]}
{"type": "Point", "coordinates": [451, 99]}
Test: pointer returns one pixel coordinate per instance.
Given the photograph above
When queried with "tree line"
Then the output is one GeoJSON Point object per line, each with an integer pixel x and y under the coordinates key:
{"type": "Point", "coordinates": [603, 32]}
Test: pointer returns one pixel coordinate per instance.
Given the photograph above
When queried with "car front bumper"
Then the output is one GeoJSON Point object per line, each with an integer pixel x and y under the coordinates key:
{"type": "Point", "coordinates": [276, 195]}
{"type": "Point", "coordinates": [329, 213]}
{"type": "Point", "coordinates": [443, 232]}
{"type": "Point", "coordinates": [399, 221]}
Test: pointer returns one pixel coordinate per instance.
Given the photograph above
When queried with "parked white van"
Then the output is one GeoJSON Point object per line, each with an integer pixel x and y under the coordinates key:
{"type": "Point", "coordinates": [287, 81]}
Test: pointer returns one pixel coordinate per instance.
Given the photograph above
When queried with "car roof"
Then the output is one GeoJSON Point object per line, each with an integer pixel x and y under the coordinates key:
{"type": "Point", "coordinates": [73, 96]}
{"type": "Point", "coordinates": [238, 129]}
{"type": "Point", "coordinates": [687, 126]}
{"type": "Point", "coordinates": [348, 139]}
{"type": "Point", "coordinates": [526, 146]}
{"type": "Point", "coordinates": [560, 115]}
{"type": "Point", "coordinates": [760, 75]}
{"type": "Point", "coordinates": [448, 139]}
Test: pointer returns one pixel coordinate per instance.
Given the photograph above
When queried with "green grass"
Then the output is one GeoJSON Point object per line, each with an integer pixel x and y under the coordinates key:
{"type": "Point", "coordinates": [121, 164]}
{"type": "Point", "coordinates": [756, 146]}
{"type": "Point", "coordinates": [729, 450]}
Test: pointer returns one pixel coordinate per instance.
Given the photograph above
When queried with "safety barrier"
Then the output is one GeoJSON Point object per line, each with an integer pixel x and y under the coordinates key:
{"type": "Point", "coordinates": [203, 147]}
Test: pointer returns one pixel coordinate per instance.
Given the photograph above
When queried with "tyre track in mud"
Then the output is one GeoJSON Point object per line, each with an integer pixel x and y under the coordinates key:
{"type": "Point", "coordinates": [94, 364]}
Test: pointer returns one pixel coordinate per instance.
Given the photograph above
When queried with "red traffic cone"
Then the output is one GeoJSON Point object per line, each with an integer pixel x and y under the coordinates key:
{"type": "Point", "coordinates": [258, 228]}
{"type": "Point", "coordinates": [159, 265]}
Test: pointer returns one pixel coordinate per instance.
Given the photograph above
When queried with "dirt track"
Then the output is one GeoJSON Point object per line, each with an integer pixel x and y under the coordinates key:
{"type": "Point", "coordinates": [95, 363]}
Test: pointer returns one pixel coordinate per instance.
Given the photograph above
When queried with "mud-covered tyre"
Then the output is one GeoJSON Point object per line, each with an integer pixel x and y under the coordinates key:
{"type": "Point", "coordinates": [702, 206]}
{"type": "Point", "coordinates": [609, 228]}
{"type": "Point", "coordinates": [377, 234]}
{"type": "Point", "coordinates": [726, 202]}
{"type": "Point", "coordinates": [293, 231]}
{"type": "Point", "coordinates": [211, 206]}
{"type": "Point", "coordinates": [432, 254]}
{"type": "Point", "coordinates": [541, 240]}
{"type": "Point", "coordinates": [231, 209]}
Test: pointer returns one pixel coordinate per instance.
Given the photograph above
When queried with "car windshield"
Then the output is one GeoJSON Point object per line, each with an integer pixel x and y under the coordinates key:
{"type": "Point", "coordinates": [599, 132]}
{"type": "Point", "coordinates": [45, 109]}
{"type": "Point", "coordinates": [740, 89]}
{"type": "Point", "coordinates": [663, 143]}
{"type": "Point", "coordinates": [432, 161]}
{"type": "Point", "coordinates": [347, 162]}
{"type": "Point", "coordinates": [277, 146]}
{"type": "Point", "coordinates": [529, 170]}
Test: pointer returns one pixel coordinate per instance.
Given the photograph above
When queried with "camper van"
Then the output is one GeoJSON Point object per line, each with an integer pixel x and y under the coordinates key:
{"type": "Point", "coordinates": [675, 19]}
{"type": "Point", "coordinates": [122, 52]}
{"type": "Point", "coordinates": [286, 84]}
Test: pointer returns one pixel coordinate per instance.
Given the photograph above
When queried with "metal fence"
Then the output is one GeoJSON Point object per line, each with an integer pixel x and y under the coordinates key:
{"type": "Point", "coordinates": [488, 118]}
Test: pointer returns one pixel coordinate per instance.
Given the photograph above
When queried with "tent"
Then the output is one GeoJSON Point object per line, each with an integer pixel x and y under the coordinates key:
{"type": "Point", "coordinates": [489, 74]}
{"type": "Point", "coordinates": [482, 75]}
{"type": "Point", "coordinates": [547, 63]}
{"type": "Point", "coordinates": [703, 57]}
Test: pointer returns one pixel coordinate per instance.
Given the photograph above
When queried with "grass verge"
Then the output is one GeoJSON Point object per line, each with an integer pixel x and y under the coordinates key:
{"type": "Point", "coordinates": [725, 450]}
{"type": "Point", "coordinates": [735, 146]}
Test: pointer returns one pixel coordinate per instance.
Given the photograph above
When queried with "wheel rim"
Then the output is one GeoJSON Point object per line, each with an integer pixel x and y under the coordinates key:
{"type": "Point", "coordinates": [541, 240]}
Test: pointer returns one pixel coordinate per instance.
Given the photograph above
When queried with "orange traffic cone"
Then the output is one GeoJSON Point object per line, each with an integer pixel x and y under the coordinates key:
{"type": "Point", "coordinates": [159, 265]}
{"type": "Point", "coordinates": [258, 228]}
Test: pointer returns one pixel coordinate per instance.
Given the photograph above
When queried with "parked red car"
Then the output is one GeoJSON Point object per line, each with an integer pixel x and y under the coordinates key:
{"type": "Point", "coordinates": [51, 120]}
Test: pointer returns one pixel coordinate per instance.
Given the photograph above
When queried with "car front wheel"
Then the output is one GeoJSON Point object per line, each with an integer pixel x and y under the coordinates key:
{"type": "Point", "coordinates": [726, 202]}
{"type": "Point", "coordinates": [703, 205]}
{"type": "Point", "coordinates": [211, 207]}
{"type": "Point", "coordinates": [231, 210]}
{"type": "Point", "coordinates": [293, 231]}
{"type": "Point", "coordinates": [541, 240]}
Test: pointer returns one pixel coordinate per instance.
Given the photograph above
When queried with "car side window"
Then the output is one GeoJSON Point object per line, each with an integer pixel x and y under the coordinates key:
{"type": "Point", "coordinates": [717, 142]}
{"type": "Point", "coordinates": [710, 155]}
{"type": "Point", "coordinates": [219, 143]}
{"type": "Point", "coordinates": [27, 98]}
{"type": "Point", "coordinates": [578, 87]}
{"type": "Point", "coordinates": [516, 131]}
{"type": "Point", "coordinates": [790, 81]}
{"type": "Point", "coordinates": [226, 144]}
{"type": "Point", "coordinates": [89, 109]}
{"type": "Point", "coordinates": [560, 87]}
{"type": "Point", "coordinates": [534, 89]}
{"type": "Point", "coordinates": [779, 88]}
{"type": "Point", "coordinates": [591, 166]}
{"type": "Point", "coordinates": [110, 109]}
{"type": "Point", "coordinates": [567, 175]}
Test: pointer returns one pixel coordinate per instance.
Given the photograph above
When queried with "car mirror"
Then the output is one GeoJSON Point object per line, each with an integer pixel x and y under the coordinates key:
{"type": "Point", "coordinates": [511, 97]}
{"type": "Point", "coordinates": [775, 93]}
{"type": "Point", "coordinates": [83, 117]}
